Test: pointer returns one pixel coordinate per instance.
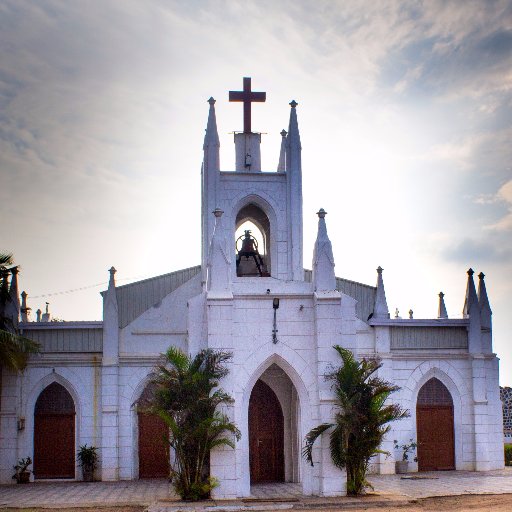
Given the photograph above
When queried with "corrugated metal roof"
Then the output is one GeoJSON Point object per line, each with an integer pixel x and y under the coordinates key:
{"type": "Point", "coordinates": [62, 339]}
{"type": "Point", "coordinates": [363, 293]}
{"type": "Point", "coordinates": [135, 298]}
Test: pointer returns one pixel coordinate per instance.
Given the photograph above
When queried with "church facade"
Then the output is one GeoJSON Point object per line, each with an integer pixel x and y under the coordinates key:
{"type": "Point", "coordinates": [251, 296]}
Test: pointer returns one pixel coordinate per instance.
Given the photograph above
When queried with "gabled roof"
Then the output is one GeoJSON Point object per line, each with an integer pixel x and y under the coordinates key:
{"type": "Point", "coordinates": [363, 293]}
{"type": "Point", "coordinates": [135, 298]}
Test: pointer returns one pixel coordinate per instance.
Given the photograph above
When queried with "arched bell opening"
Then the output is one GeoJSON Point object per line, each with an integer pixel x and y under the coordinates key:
{"type": "Point", "coordinates": [54, 433]}
{"type": "Point", "coordinates": [435, 427]}
{"type": "Point", "coordinates": [252, 242]}
{"type": "Point", "coordinates": [273, 428]}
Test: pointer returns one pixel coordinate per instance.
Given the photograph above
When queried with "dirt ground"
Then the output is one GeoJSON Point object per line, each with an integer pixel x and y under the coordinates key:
{"type": "Point", "coordinates": [464, 503]}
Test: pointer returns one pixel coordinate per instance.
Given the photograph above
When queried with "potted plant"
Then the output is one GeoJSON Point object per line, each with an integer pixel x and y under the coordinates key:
{"type": "Point", "coordinates": [401, 466]}
{"type": "Point", "coordinates": [88, 460]}
{"type": "Point", "coordinates": [22, 475]}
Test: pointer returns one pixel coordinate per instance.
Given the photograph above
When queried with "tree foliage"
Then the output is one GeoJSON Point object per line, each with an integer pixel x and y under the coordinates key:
{"type": "Point", "coordinates": [14, 349]}
{"type": "Point", "coordinates": [361, 420]}
{"type": "Point", "coordinates": [188, 398]}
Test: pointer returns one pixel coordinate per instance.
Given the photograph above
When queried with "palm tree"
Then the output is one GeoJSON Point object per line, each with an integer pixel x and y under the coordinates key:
{"type": "Point", "coordinates": [187, 398]}
{"type": "Point", "coordinates": [14, 349]}
{"type": "Point", "coordinates": [362, 418]}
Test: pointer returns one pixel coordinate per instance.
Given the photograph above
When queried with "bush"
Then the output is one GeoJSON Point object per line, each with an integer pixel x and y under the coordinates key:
{"type": "Point", "coordinates": [508, 455]}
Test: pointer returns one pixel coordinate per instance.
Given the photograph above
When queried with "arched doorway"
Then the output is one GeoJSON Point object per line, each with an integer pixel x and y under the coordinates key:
{"type": "Point", "coordinates": [54, 433]}
{"type": "Point", "coordinates": [435, 428]}
{"type": "Point", "coordinates": [152, 441]}
{"type": "Point", "coordinates": [266, 435]}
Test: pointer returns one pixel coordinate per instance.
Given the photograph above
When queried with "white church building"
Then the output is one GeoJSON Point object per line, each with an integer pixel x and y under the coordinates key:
{"type": "Point", "coordinates": [252, 296]}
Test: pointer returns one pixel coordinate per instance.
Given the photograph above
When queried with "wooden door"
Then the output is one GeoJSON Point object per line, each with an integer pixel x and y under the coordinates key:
{"type": "Point", "coordinates": [54, 434]}
{"type": "Point", "coordinates": [435, 428]}
{"type": "Point", "coordinates": [153, 447]}
{"type": "Point", "coordinates": [266, 435]}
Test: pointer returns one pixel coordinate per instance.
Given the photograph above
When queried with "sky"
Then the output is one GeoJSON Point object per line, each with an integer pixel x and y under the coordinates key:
{"type": "Point", "coordinates": [404, 108]}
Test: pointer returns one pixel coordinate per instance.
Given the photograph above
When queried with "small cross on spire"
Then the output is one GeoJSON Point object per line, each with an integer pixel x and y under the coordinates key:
{"type": "Point", "coordinates": [247, 97]}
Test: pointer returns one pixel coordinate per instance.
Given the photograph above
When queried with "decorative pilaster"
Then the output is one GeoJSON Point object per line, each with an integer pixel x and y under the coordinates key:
{"type": "Point", "coordinates": [110, 384]}
{"type": "Point", "coordinates": [219, 262]}
{"type": "Point", "coordinates": [324, 278]}
{"type": "Point", "coordinates": [380, 309]}
{"type": "Point", "coordinates": [25, 310]}
{"type": "Point", "coordinates": [293, 167]}
{"type": "Point", "coordinates": [441, 310]}
{"type": "Point", "coordinates": [12, 308]}
{"type": "Point", "coordinates": [281, 166]}
{"type": "Point", "coordinates": [209, 182]}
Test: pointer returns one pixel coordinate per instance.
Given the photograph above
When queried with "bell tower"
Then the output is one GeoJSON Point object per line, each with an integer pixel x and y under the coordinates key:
{"type": "Point", "coordinates": [262, 219]}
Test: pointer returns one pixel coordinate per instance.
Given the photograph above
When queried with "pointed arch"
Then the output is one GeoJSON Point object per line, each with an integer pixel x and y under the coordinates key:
{"type": "Point", "coordinates": [262, 213]}
{"type": "Point", "coordinates": [303, 385]}
{"type": "Point", "coordinates": [54, 430]}
{"type": "Point", "coordinates": [453, 381]}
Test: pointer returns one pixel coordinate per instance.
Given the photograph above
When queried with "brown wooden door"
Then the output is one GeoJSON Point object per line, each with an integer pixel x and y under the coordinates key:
{"type": "Point", "coordinates": [54, 434]}
{"type": "Point", "coordinates": [435, 428]}
{"type": "Point", "coordinates": [435, 438]}
{"type": "Point", "coordinates": [153, 447]}
{"type": "Point", "coordinates": [266, 435]}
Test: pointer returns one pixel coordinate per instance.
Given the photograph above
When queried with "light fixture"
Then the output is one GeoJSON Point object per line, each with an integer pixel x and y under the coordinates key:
{"type": "Point", "coordinates": [275, 305]}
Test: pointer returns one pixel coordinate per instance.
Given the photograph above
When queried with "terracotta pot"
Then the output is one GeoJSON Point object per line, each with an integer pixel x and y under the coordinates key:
{"type": "Point", "coordinates": [401, 466]}
{"type": "Point", "coordinates": [88, 473]}
{"type": "Point", "coordinates": [24, 477]}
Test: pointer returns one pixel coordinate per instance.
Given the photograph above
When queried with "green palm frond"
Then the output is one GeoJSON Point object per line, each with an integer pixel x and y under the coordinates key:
{"type": "Point", "coordinates": [311, 437]}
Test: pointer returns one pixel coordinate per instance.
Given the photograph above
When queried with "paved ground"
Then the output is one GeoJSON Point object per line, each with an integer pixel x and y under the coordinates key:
{"type": "Point", "coordinates": [158, 493]}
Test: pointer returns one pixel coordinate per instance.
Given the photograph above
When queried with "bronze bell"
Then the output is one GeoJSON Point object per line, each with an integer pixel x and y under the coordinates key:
{"type": "Point", "coordinates": [249, 249]}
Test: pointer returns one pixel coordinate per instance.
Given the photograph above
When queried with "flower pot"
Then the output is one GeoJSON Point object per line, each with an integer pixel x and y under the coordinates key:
{"type": "Point", "coordinates": [23, 477]}
{"type": "Point", "coordinates": [401, 466]}
{"type": "Point", "coordinates": [88, 473]}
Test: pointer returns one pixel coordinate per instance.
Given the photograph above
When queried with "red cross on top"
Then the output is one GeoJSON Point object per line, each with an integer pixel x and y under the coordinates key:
{"type": "Point", "coordinates": [247, 97]}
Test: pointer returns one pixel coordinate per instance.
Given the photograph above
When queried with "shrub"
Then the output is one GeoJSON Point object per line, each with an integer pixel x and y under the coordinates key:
{"type": "Point", "coordinates": [508, 455]}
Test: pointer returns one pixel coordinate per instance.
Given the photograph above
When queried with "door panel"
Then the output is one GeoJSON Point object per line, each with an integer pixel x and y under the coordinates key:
{"type": "Point", "coordinates": [266, 435]}
{"type": "Point", "coordinates": [153, 447]}
{"type": "Point", "coordinates": [54, 446]}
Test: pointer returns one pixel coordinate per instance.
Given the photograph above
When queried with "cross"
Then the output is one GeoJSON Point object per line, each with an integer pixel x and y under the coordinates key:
{"type": "Point", "coordinates": [247, 97]}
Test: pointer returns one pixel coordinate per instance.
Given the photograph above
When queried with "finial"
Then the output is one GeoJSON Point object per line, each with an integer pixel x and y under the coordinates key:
{"type": "Point", "coordinates": [441, 295]}
{"type": "Point", "coordinates": [441, 310]}
{"type": "Point", "coordinates": [410, 314]}
{"type": "Point", "coordinates": [379, 270]}
{"type": "Point", "coordinates": [397, 313]}
{"type": "Point", "coordinates": [15, 271]}
{"type": "Point", "coordinates": [211, 101]}
{"type": "Point", "coordinates": [112, 270]}
{"type": "Point", "coordinates": [284, 133]}
{"type": "Point", "coordinates": [293, 103]}
{"type": "Point", "coordinates": [481, 276]}
{"type": "Point", "coordinates": [47, 304]}
{"type": "Point", "coordinates": [470, 272]}
{"type": "Point", "coordinates": [321, 213]}
{"type": "Point", "coordinates": [218, 212]}
{"type": "Point", "coordinates": [38, 315]}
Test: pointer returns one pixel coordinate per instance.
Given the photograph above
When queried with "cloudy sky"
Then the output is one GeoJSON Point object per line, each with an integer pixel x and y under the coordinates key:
{"type": "Point", "coordinates": [405, 113]}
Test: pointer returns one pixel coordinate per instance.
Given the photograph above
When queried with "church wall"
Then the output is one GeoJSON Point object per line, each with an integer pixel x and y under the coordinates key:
{"type": "Point", "coordinates": [82, 379]}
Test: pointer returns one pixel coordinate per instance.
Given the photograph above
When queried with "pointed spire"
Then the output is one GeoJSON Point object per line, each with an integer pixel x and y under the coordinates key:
{"type": "Point", "coordinates": [380, 309]}
{"type": "Point", "coordinates": [471, 298]}
{"type": "Point", "coordinates": [12, 308]}
{"type": "Point", "coordinates": [483, 302]}
{"type": "Point", "coordinates": [219, 261]}
{"type": "Point", "coordinates": [111, 296]}
{"type": "Point", "coordinates": [281, 166]}
{"type": "Point", "coordinates": [441, 310]}
{"type": "Point", "coordinates": [25, 310]}
{"type": "Point", "coordinates": [324, 278]}
{"type": "Point", "coordinates": [211, 137]}
{"type": "Point", "coordinates": [293, 138]}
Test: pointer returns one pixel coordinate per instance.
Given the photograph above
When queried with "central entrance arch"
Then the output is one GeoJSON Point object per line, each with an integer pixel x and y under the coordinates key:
{"type": "Point", "coordinates": [266, 435]}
